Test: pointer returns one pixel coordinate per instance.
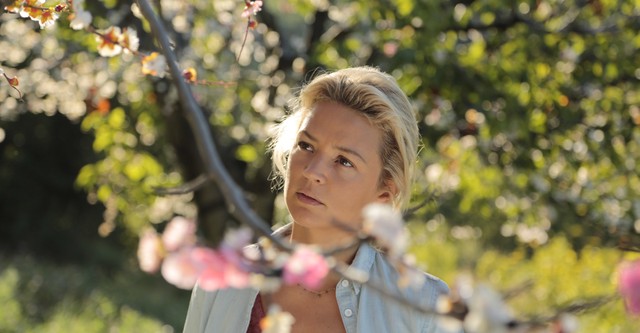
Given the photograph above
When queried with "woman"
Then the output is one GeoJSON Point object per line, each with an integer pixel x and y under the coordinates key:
{"type": "Point", "coordinates": [351, 140]}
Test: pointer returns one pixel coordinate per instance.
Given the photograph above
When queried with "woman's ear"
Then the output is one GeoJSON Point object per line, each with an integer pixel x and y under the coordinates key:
{"type": "Point", "coordinates": [387, 192]}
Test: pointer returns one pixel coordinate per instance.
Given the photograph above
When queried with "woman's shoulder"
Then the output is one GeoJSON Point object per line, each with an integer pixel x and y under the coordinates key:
{"type": "Point", "coordinates": [414, 284]}
{"type": "Point", "coordinates": [222, 310]}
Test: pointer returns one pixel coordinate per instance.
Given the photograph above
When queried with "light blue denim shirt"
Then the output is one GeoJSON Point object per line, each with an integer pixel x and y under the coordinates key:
{"type": "Point", "coordinates": [362, 308]}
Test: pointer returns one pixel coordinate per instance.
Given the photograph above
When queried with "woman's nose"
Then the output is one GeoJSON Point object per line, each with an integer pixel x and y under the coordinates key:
{"type": "Point", "coordinates": [315, 171]}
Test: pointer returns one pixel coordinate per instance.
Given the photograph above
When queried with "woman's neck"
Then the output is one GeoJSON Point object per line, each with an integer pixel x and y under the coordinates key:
{"type": "Point", "coordinates": [328, 239]}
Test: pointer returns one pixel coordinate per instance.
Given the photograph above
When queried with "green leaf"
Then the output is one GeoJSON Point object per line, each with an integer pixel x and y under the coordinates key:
{"type": "Point", "coordinates": [246, 153]}
{"type": "Point", "coordinates": [116, 118]}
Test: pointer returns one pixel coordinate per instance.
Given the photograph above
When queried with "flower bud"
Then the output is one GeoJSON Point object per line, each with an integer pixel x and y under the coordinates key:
{"type": "Point", "coordinates": [13, 81]}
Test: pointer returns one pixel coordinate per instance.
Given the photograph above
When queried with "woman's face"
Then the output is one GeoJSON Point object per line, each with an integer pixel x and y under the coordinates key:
{"type": "Point", "coordinates": [334, 168]}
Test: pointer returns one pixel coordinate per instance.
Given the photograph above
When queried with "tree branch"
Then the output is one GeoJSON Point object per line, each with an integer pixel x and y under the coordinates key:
{"type": "Point", "coordinates": [234, 197]}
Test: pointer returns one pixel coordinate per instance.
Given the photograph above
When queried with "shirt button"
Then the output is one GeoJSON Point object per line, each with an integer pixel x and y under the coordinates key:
{"type": "Point", "coordinates": [348, 312]}
{"type": "Point", "coordinates": [344, 283]}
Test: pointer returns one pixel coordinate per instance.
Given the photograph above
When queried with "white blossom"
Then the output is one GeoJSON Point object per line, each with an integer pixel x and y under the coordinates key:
{"type": "Point", "coordinates": [81, 18]}
{"type": "Point", "coordinates": [387, 227]}
{"type": "Point", "coordinates": [154, 64]}
{"type": "Point", "coordinates": [487, 312]}
{"type": "Point", "coordinates": [179, 232]}
{"type": "Point", "coordinates": [237, 239]}
{"type": "Point", "coordinates": [129, 40]}
{"type": "Point", "coordinates": [108, 42]}
{"type": "Point", "coordinates": [149, 251]}
{"type": "Point", "coordinates": [277, 321]}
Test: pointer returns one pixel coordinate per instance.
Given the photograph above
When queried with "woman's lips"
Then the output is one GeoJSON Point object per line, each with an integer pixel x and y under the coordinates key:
{"type": "Point", "coordinates": [308, 199]}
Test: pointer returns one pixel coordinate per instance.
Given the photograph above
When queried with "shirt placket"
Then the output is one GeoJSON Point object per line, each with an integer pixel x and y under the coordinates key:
{"type": "Point", "coordinates": [346, 295]}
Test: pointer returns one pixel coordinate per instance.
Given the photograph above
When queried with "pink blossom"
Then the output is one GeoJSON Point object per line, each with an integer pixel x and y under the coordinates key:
{"type": "Point", "coordinates": [210, 268]}
{"type": "Point", "coordinates": [237, 239]}
{"type": "Point", "coordinates": [179, 232]}
{"type": "Point", "coordinates": [149, 251]}
{"type": "Point", "coordinates": [180, 269]}
{"type": "Point", "coordinates": [219, 272]}
{"type": "Point", "coordinates": [306, 267]}
{"type": "Point", "coordinates": [252, 8]}
{"type": "Point", "coordinates": [234, 243]}
{"type": "Point", "coordinates": [629, 285]}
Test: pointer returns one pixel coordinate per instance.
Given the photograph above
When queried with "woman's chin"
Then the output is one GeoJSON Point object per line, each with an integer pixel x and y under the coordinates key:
{"type": "Point", "coordinates": [310, 221]}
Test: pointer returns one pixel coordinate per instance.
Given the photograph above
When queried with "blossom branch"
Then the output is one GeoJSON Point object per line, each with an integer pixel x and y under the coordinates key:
{"type": "Point", "coordinates": [251, 8]}
{"type": "Point", "coordinates": [214, 168]}
{"type": "Point", "coordinates": [109, 37]}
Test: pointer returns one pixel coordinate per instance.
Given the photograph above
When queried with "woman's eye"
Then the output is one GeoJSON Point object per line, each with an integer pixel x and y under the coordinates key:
{"type": "Point", "coordinates": [305, 146]}
{"type": "Point", "coordinates": [345, 162]}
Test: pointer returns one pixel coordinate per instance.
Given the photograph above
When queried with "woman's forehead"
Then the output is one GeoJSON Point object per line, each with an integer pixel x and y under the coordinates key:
{"type": "Point", "coordinates": [341, 127]}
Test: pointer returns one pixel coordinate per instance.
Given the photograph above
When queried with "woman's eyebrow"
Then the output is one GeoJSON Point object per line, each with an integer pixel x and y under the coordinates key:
{"type": "Point", "coordinates": [352, 152]}
{"type": "Point", "coordinates": [340, 148]}
{"type": "Point", "coordinates": [308, 135]}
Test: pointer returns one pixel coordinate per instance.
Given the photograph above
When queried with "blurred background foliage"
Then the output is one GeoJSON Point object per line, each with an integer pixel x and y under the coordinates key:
{"type": "Point", "coordinates": [529, 110]}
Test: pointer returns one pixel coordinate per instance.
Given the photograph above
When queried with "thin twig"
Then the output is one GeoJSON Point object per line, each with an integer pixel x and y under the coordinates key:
{"type": "Point", "coordinates": [244, 39]}
{"type": "Point", "coordinates": [517, 290]}
{"type": "Point", "coordinates": [628, 248]}
{"type": "Point", "coordinates": [430, 197]}
{"type": "Point", "coordinates": [191, 186]}
{"type": "Point", "coordinates": [573, 308]}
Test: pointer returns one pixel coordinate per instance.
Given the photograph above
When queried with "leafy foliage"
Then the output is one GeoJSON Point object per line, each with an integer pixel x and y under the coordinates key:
{"type": "Point", "coordinates": [40, 297]}
{"type": "Point", "coordinates": [530, 110]}
{"type": "Point", "coordinates": [541, 283]}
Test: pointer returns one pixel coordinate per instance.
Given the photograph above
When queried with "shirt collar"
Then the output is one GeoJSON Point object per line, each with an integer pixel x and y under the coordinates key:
{"type": "Point", "coordinates": [363, 262]}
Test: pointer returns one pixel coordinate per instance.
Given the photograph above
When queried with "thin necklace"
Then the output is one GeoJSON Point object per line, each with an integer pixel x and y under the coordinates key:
{"type": "Point", "coordinates": [316, 293]}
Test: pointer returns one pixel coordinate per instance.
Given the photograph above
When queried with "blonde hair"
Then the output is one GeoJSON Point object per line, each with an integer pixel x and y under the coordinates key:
{"type": "Point", "coordinates": [378, 97]}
